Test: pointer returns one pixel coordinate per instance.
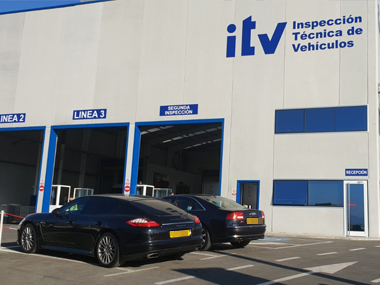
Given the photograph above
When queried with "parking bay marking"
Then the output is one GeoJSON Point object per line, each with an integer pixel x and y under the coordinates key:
{"type": "Point", "coordinates": [327, 253]}
{"type": "Point", "coordinates": [44, 256]}
{"type": "Point", "coordinates": [286, 259]}
{"type": "Point", "coordinates": [126, 271]}
{"type": "Point", "coordinates": [239, 267]}
{"type": "Point", "coordinates": [329, 269]}
{"type": "Point", "coordinates": [376, 281]}
{"type": "Point", "coordinates": [296, 245]}
{"type": "Point", "coordinates": [356, 249]}
{"type": "Point", "coordinates": [174, 280]}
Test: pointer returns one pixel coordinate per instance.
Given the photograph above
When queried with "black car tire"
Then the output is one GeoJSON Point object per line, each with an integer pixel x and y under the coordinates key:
{"type": "Point", "coordinates": [28, 239]}
{"type": "Point", "coordinates": [206, 240]}
{"type": "Point", "coordinates": [107, 250]}
{"type": "Point", "coordinates": [237, 244]}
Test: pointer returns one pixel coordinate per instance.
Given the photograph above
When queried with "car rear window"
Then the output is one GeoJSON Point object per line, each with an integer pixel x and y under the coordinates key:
{"type": "Point", "coordinates": [158, 207]}
{"type": "Point", "coordinates": [223, 203]}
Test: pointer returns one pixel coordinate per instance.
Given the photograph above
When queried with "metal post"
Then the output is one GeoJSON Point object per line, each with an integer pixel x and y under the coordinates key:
{"type": "Point", "coordinates": [1, 225]}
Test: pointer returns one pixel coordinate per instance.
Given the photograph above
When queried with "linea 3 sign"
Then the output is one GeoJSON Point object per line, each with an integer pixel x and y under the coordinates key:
{"type": "Point", "coordinates": [315, 35]}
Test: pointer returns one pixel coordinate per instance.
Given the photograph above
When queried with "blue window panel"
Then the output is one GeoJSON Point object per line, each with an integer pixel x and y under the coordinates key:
{"type": "Point", "coordinates": [351, 118]}
{"type": "Point", "coordinates": [289, 192]}
{"type": "Point", "coordinates": [325, 193]}
{"type": "Point", "coordinates": [319, 120]}
{"type": "Point", "coordinates": [290, 121]}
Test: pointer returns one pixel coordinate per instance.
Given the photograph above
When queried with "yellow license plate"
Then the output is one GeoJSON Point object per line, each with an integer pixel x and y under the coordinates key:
{"type": "Point", "coordinates": [176, 234]}
{"type": "Point", "coordinates": [254, 221]}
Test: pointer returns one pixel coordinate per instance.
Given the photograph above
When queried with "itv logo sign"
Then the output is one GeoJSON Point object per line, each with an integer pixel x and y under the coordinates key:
{"type": "Point", "coordinates": [269, 45]}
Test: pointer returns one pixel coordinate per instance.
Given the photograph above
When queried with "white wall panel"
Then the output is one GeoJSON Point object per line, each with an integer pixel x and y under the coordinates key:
{"type": "Point", "coordinates": [319, 156]}
{"type": "Point", "coordinates": [297, 220]}
{"type": "Point", "coordinates": [78, 58]}
{"type": "Point", "coordinates": [119, 58]}
{"type": "Point", "coordinates": [208, 80]}
{"type": "Point", "coordinates": [11, 27]}
{"type": "Point", "coordinates": [162, 64]}
{"type": "Point", "coordinates": [311, 77]}
{"type": "Point", "coordinates": [353, 61]}
{"type": "Point", "coordinates": [38, 66]}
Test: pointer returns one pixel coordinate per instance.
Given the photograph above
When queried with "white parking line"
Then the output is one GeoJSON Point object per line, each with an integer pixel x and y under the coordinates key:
{"type": "Point", "coordinates": [289, 258]}
{"type": "Point", "coordinates": [44, 256]}
{"type": "Point", "coordinates": [356, 249]}
{"type": "Point", "coordinates": [205, 254]}
{"type": "Point", "coordinates": [376, 281]}
{"type": "Point", "coordinates": [126, 271]}
{"type": "Point", "coordinates": [212, 257]}
{"type": "Point", "coordinates": [298, 245]}
{"type": "Point", "coordinates": [174, 280]}
{"type": "Point", "coordinates": [377, 246]}
{"type": "Point", "coordinates": [327, 253]}
{"type": "Point", "coordinates": [239, 267]}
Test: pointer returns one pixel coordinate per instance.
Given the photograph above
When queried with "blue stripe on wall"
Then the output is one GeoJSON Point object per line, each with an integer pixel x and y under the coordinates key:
{"type": "Point", "coordinates": [15, 6]}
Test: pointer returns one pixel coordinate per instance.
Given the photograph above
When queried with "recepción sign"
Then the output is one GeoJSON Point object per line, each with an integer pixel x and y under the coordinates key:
{"type": "Point", "coordinates": [177, 110]}
{"type": "Point", "coordinates": [356, 172]}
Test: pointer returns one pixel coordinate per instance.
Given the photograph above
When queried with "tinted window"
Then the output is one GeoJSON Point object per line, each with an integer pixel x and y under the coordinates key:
{"type": "Point", "coordinates": [289, 121]}
{"type": "Point", "coordinates": [319, 120]}
{"type": "Point", "coordinates": [170, 199]}
{"type": "Point", "coordinates": [325, 193]}
{"type": "Point", "coordinates": [351, 118]}
{"type": "Point", "coordinates": [74, 207]}
{"type": "Point", "coordinates": [157, 207]}
{"type": "Point", "coordinates": [187, 204]}
{"type": "Point", "coordinates": [290, 193]}
{"type": "Point", "coordinates": [223, 203]}
{"type": "Point", "coordinates": [99, 206]}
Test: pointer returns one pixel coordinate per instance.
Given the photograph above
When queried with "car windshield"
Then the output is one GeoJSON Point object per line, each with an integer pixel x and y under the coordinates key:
{"type": "Point", "coordinates": [223, 203]}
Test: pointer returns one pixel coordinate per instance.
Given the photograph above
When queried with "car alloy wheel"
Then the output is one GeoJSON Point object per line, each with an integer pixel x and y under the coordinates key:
{"type": "Point", "coordinates": [28, 239]}
{"type": "Point", "coordinates": [206, 241]}
{"type": "Point", "coordinates": [107, 250]}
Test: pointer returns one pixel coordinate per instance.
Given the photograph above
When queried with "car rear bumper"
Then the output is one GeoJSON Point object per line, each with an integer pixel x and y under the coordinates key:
{"type": "Point", "coordinates": [245, 232]}
{"type": "Point", "coordinates": [154, 249]}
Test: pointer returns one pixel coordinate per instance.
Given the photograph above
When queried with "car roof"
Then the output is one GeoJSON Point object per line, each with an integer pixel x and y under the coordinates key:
{"type": "Point", "coordinates": [194, 195]}
{"type": "Point", "coordinates": [124, 197]}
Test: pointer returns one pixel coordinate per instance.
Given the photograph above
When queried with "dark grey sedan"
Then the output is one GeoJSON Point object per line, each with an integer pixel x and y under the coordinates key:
{"type": "Point", "coordinates": [223, 219]}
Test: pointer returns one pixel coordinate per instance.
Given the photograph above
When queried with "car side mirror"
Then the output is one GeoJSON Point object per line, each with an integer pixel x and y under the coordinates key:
{"type": "Point", "coordinates": [56, 211]}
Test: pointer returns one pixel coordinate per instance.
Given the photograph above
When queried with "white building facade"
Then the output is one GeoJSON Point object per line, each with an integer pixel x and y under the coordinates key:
{"type": "Point", "coordinates": [286, 90]}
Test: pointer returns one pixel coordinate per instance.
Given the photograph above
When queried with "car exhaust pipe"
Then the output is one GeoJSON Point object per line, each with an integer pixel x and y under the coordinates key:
{"type": "Point", "coordinates": [152, 255]}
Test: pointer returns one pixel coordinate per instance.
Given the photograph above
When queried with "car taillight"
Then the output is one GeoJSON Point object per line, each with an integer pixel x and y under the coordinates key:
{"type": "Point", "coordinates": [235, 216]}
{"type": "Point", "coordinates": [196, 220]}
{"type": "Point", "coordinates": [142, 223]}
{"type": "Point", "coordinates": [263, 215]}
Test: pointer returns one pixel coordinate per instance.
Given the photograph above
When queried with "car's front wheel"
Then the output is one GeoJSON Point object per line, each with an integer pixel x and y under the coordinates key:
{"type": "Point", "coordinates": [240, 244]}
{"type": "Point", "coordinates": [107, 250]}
{"type": "Point", "coordinates": [206, 240]}
{"type": "Point", "coordinates": [28, 239]}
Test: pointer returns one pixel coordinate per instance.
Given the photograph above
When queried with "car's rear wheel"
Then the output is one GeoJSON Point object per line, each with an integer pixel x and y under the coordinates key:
{"type": "Point", "coordinates": [28, 239]}
{"type": "Point", "coordinates": [206, 240]}
{"type": "Point", "coordinates": [240, 244]}
{"type": "Point", "coordinates": [107, 250]}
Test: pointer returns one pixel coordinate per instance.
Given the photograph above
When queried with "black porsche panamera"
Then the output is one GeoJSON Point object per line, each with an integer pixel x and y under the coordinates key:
{"type": "Point", "coordinates": [223, 219]}
{"type": "Point", "coordinates": [113, 228]}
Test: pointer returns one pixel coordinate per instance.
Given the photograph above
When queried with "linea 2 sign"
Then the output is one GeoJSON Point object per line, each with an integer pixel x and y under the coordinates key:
{"type": "Point", "coordinates": [315, 35]}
